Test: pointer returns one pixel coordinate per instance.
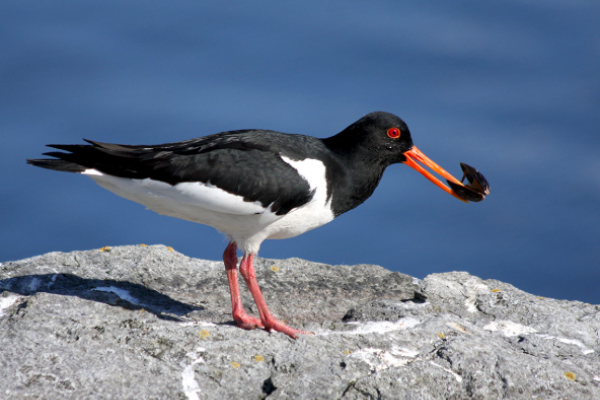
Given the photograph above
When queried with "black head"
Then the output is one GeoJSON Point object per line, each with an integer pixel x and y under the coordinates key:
{"type": "Point", "coordinates": [382, 139]}
{"type": "Point", "coordinates": [382, 135]}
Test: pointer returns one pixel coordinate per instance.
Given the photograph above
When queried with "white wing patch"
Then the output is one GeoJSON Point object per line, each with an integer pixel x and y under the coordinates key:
{"type": "Point", "coordinates": [150, 192]}
{"type": "Point", "coordinates": [217, 199]}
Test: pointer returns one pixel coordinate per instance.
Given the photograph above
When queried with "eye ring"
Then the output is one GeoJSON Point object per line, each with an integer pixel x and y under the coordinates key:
{"type": "Point", "coordinates": [394, 133]}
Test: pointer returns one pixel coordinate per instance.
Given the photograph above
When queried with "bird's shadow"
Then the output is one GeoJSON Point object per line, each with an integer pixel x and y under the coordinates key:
{"type": "Point", "coordinates": [131, 296]}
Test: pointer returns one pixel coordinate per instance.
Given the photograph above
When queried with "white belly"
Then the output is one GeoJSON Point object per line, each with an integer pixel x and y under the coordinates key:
{"type": "Point", "coordinates": [247, 223]}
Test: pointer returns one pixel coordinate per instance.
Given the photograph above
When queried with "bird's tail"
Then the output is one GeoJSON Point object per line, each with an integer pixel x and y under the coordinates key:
{"type": "Point", "coordinates": [81, 157]}
{"type": "Point", "coordinates": [57, 165]}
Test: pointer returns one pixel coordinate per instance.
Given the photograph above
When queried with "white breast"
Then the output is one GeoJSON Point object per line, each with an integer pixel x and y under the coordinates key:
{"type": "Point", "coordinates": [313, 214]}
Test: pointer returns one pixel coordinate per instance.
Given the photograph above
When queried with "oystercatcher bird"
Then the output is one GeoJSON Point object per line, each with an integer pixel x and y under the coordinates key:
{"type": "Point", "coordinates": [254, 185]}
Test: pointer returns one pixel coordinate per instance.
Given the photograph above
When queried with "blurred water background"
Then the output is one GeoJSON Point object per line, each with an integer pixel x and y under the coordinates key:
{"type": "Point", "coordinates": [511, 87]}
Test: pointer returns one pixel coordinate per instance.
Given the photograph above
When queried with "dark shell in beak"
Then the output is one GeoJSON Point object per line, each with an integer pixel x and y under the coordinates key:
{"type": "Point", "coordinates": [477, 187]}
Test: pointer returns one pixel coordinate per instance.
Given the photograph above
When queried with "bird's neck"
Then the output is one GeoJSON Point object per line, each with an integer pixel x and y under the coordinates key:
{"type": "Point", "coordinates": [353, 174]}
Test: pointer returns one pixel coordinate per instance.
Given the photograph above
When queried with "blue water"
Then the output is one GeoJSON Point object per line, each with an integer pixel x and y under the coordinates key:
{"type": "Point", "coordinates": [510, 87]}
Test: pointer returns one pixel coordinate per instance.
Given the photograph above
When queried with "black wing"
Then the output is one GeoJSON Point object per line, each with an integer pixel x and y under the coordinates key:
{"type": "Point", "coordinates": [246, 163]}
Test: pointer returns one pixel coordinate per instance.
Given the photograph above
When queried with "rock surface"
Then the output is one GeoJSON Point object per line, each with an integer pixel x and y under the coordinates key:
{"type": "Point", "coordinates": [139, 322]}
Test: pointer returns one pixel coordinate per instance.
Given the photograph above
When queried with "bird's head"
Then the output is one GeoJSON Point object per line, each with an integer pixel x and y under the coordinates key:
{"type": "Point", "coordinates": [387, 137]}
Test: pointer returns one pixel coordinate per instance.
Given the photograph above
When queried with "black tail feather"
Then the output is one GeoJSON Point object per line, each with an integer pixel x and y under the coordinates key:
{"type": "Point", "coordinates": [112, 159]}
{"type": "Point", "coordinates": [57, 154]}
{"type": "Point", "coordinates": [113, 146]}
{"type": "Point", "coordinates": [68, 147]}
{"type": "Point", "coordinates": [57, 165]}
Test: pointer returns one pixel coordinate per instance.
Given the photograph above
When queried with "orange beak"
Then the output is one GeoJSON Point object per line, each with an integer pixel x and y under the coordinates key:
{"type": "Point", "coordinates": [414, 157]}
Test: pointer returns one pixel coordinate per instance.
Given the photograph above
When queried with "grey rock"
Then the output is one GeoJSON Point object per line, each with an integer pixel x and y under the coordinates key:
{"type": "Point", "coordinates": [140, 322]}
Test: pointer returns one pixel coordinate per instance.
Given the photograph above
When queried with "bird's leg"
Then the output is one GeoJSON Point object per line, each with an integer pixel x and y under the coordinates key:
{"type": "Point", "coordinates": [242, 319]}
{"type": "Point", "coordinates": [268, 320]}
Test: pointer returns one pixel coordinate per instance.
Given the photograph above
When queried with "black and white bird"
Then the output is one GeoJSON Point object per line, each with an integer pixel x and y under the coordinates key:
{"type": "Point", "coordinates": [252, 185]}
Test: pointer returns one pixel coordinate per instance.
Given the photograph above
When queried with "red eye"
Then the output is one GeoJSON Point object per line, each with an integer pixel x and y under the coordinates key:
{"type": "Point", "coordinates": [394, 133]}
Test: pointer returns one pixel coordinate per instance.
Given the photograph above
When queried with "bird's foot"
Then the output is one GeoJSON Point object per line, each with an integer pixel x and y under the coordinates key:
{"type": "Point", "coordinates": [272, 324]}
{"type": "Point", "coordinates": [246, 321]}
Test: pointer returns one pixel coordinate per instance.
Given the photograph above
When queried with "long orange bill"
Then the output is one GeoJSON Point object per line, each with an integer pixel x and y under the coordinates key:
{"type": "Point", "coordinates": [414, 157]}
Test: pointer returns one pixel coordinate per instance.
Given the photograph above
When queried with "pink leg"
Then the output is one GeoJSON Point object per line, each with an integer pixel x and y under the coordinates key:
{"type": "Point", "coordinates": [268, 320]}
{"type": "Point", "coordinates": [242, 319]}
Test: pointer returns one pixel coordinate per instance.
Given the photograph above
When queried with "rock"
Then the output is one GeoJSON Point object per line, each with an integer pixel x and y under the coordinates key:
{"type": "Point", "coordinates": [149, 323]}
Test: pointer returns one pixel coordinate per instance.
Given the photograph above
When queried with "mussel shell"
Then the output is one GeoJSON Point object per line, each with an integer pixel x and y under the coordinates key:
{"type": "Point", "coordinates": [477, 181]}
{"type": "Point", "coordinates": [466, 192]}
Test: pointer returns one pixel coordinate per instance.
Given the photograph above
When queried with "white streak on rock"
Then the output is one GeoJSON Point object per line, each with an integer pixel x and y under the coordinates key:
{"type": "Point", "coordinates": [385, 326]}
{"type": "Point", "coordinates": [458, 327]}
{"type": "Point", "coordinates": [375, 327]}
{"type": "Point", "coordinates": [197, 323]}
{"type": "Point", "coordinates": [379, 359]}
{"type": "Point", "coordinates": [7, 302]}
{"type": "Point", "coordinates": [457, 376]}
{"type": "Point", "coordinates": [577, 343]}
{"type": "Point", "coordinates": [400, 351]}
{"type": "Point", "coordinates": [188, 379]}
{"type": "Point", "coordinates": [509, 328]}
{"type": "Point", "coordinates": [122, 293]}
